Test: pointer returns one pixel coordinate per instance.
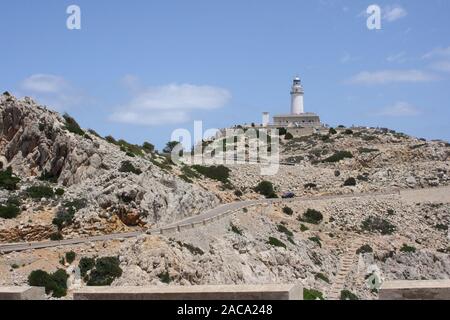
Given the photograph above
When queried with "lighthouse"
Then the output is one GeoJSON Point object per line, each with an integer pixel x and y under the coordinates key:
{"type": "Point", "coordinates": [297, 94]}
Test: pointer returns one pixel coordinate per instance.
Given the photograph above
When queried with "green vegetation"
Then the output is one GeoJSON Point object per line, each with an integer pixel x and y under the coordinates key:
{"type": "Point", "coordinates": [10, 209]}
{"type": "Point", "coordinates": [338, 156]}
{"type": "Point", "coordinates": [56, 236]}
{"type": "Point", "coordinates": [348, 295]}
{"type": "Point", "coordinates": [166, 164]}
{"type": "Point", "coordinates": [350, 182]}
{"type": "Point", "coordinates": [310, 186]}
{"type": "Point", "coordinates": [39, 192]}
{"type": "Point", "coordinates": [127, 166]}
{"type": "Point", "coordinates": [312, 216]}
{"type": "Point", "coordinates": [148, 147]}
{"type": "Point", "coordinates": [311, 294]}
{"type": "Point", "coordinates": [235, 229]}
{"type": "Point", "coordinates": [281, 228]}
{"type": "Point", "coordinates": [316, 240]}
{"type": "Point", "coordinates": [276, 243]}
{"type": "Point", "coordinates": [59, 192]}
{"type": "Point", "coordinates": [219, 173]}
{"type": "Point", "coordinates": [105, 271]}
{"type": "Point", "coordinates": [408, 249]}
{"type": "Point", "coordinates": [72, 125]}
{"type": "Point", "coordinates": [8, 180]}
{"type": "Point", "coordinates": [85, 265]}
{"type": "Point", "coordinates": [266, 189]}
{"type": "Point", "coordinates": [70, 256]}
{"type": "Point", "coordinates": [303, 228]}
{"type": "Point", "coordinates": [288, 136]}
{"type": "Point", "coordinates": [376, 224]}
{"type": "Point", "coordinates": [321, 276]}
{"type": "Point", "coordinates": [441, 227]}
{"type": "Point", "coordinates": [55, 283]}
{"type": "Point", "coordinates": [348, 131]}
{"type": "Point", "coordinates": [364, 249]}
{"type": "Point", "coordinates": [332, 131]}
{"type": "Point", "coordinates": [164, 277]}
{"type": "Point", "coordinates": [238, 193]}
{"type": "Point", "coordinates": [66, 213]}
{"type": "Point", "coordinates": [288, 211]}
{"type": "Point", "coordinates": [48, 177]}
{"type": "Point", "coordinates": [192, 249]}
{"type": "Point", "coordinates": [367, 150]}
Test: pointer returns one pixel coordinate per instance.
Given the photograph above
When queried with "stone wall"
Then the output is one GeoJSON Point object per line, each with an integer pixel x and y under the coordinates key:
{"type": "Point", "coordinates": [415, 290]}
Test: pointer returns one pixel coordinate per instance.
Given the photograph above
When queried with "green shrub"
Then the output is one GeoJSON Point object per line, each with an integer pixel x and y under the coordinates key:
{"type": "Point", "coordinates": [127, 166]}
{"type": "Point", "coordinates": [338, 156]}
{"type": "Point", "coordinates": [66, 213]}
{"type": "Point", "coordinates": [85, 265]}
{"type": "Point", "coordinates": [321, 276]}
{"type": "Point", "coordinates": [164, 277]}
{"type": "Point", "coordinates": [276, 243]}
{"type": "Point", "coordinates": [441, 227]}
{"type": "Point", "coordinates": [235, 229]}
{"type": "Point", "coordinates": [38, 192]}
{"type": "Point", "coordinates": [192, 249]}
{"type": "Point", "coordinates": [348, 295]}
{"type": "Point", "coordinates": [106, 270]}
{"type": "Point", "coordinates": [70, 256]}
{"type": "Point", "coordinates": [72, 125]}
{"type": "Point", "coordinates": [376, 224]}
{"type": "Point", "coordinates": [288, 136]}
{"type": "Point", "coordinates": [311, 294]}
{"type": "Point", "coordinates": [11, 209]}
{"type": "Point", "coordinates": [312, 216]}
{"type": "Point", "coordinates": [238, 193]}
{"type": "Point", "coordinates": [350, 182]}
{"type": "Point", "coordinates": [288, 211]}
{"type": "Point", "coordinates": [56, 236]}
{"type": "Point", "coordinates": [284, 230]}
{"type": "Point", "coordinates": [8, 180]}
{"type": "Point", "coordinates": [367, 150]}
{"type": "Point", "coordinates": [59, 192]}
{"type": "Point", "coordinates": [94, 133]}
{"type": "Point", "coordinates": [310, 186]}
{"type": "Point", "coordinates": [48, 177]}
{"type": "Point", "coordinates": [55, 283]}
{"type": "Point", "coordinates": [332, 131]}
{"type": "Point", "coordinates": [364, 249]}
{"type": "Point", "coordinates": [348, 131]}
{"type": "Point", "coordinates": [219, 173]}
{"type": "Point", "coordinates": [408, 249]}
{"type": "Point", "coordinates": [316, 240]}
{"type": "Point", "coordinates": [266, 189]}
{"type": "Point", "coordinates": [148, 147]}
{"type": "Point", "coordinates": [303, 228]}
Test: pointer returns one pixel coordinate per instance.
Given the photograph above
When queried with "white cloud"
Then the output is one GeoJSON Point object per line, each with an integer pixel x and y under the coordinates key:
{"type": "Point", "coordinates": [398, 57]}
{"type": "Point", "coordinates": [400, 109]}
{"type": "Point", "coordinates": [441, 66]}
{"type": "Point", "coordinates": [168, 104]}
{"type": "Point", "coordinates": [391, 76]}
{"type": "Point", "coordinates": [393, 13]}
{"type": "Point", "coordinates": [51, 90]}
{"type": "Point", "coordinates": [437, 52]}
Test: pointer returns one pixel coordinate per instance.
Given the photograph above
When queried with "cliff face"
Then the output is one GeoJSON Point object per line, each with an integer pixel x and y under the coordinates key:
{"type": "Point", "coordinates": [37, 142]}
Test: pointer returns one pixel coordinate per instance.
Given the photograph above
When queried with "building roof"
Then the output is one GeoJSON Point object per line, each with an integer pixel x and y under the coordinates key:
{"type": "Point", "coordinates": [301, 115]}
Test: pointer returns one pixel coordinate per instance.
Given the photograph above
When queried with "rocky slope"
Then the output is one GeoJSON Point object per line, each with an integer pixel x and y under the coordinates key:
{"type": "Point", "coordinates": [110, 180]}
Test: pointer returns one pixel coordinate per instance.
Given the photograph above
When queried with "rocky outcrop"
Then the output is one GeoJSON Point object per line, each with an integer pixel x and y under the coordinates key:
{"type": "Point", "coordinates": [34, 141]}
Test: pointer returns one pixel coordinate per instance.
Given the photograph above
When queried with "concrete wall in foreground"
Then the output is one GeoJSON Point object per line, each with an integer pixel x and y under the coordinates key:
{"type": "Point", "coordinates": [215, 292]}
{"type": "Point", "coordinates": [415, 290]}
{"type": "Point", "coordinates": [22, 293]}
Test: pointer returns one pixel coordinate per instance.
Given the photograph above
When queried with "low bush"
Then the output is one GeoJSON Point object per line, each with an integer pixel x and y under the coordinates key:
{"type": "Point", "coordinates": [350, 182]}
{"type": "Point", "coordinates": [192, 249]}
{"type": "Point", "coordinates": [39, 192]}
{"type": "Point", "coordinates": [59, 192]}
{"type": "Point", "coordinates": [310, 186]}
{"type": "Point", "coordinates": [235, 229]}
{"type": "Point", "coordinates": [338, 156]}
{"type": "Point", "coordinates": [332, 131]}
{"type": "Point", "coordinates": [72, 125]}
{"type": "Point", "coordinates": [66, 213]}
{"type": "Point", "coordinates": [70, 256]}
{"type": "Point", "coordinates": [127, 166]}
{"type": "Point", "coordinates": [164, 277]}
{"type": "Point", "coordinates": [364, 249]}
{"type": "Point", "coordinates": [348, 295]}
{"type": "Point", "coordinates": [321, 276]}
{"type": "Point", "coordinates": [348, 131]}
{"type": "Point", "coordinates": [288, 211]}
{"type": "Point", "coordinates": [106, 270]}
{"type": "Point", "coordinates": [367, 150]}
{"type": "Point", "coordinates": [8, 180]}
{"type": "Point", "coordinates": [303, 228]}
{"type": "Point", "coordinates": [85, 265]}
{"type": "Point", "coordinates": [316, 240]}
{"type": "Point", "coordinates": [266, 189]}
{"type": "Point", "coordinates": [48, 177]}
{"type": "Point", "coordinates": [276, 243]}
{"type": "Point", "coordinates": [56, 236]}
{"type": "Point", "coordinates": [288, 136]}
{"type": "Point", "coordinates": [284, 230]}
{"type": "Point", "coordinates": [9, 211]}
{"type": "Point", "coordinates": [312, 216]}
{"type": "Point", "coordinates": [407, 249]}
{"type": "Point", "coordinates": [238, 193]}
{"type": "Point", "coordinates": [219, 173]}
{"type": "Point", "coordinates": [376, 224]}
{"type": "Point", "coordinates": [311, 294]}
{"type": "Point", "coordinates": [55, 283]}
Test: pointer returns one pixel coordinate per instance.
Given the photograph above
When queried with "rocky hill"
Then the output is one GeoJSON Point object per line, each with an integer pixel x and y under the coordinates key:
{"type": "Point", "coordinates": [101, 179]}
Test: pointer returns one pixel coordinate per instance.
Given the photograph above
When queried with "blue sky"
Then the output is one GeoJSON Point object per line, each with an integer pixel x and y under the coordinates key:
{"type": "Point", "coordinates": [140, 69]}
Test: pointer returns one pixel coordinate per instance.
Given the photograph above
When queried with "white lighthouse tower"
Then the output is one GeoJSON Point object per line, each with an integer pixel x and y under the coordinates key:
{"type": "Point", "coordinates": [297, 94]}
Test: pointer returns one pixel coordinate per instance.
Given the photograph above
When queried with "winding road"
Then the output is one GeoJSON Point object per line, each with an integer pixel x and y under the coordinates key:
{"type": "Point", "coordinates": [441, 194]}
